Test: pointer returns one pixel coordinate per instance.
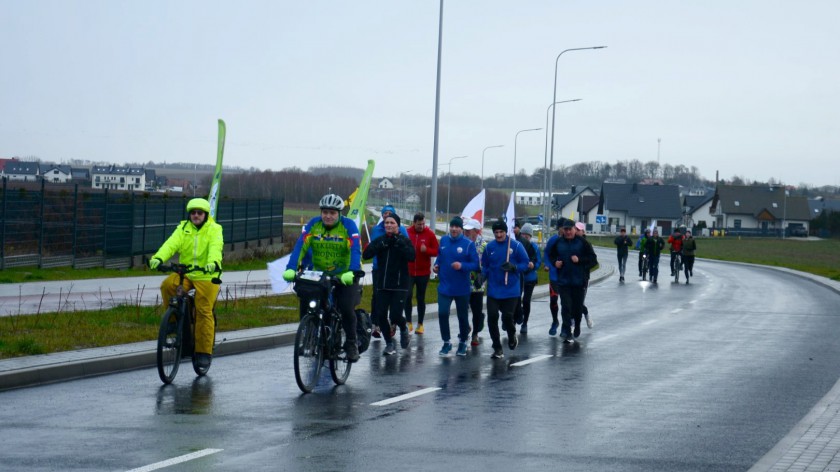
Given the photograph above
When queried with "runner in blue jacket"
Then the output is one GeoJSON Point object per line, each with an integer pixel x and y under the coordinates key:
{"type": "Point", "coordinates": [457, 257]}
{"type": "Point", "coordinates": [502, 273]}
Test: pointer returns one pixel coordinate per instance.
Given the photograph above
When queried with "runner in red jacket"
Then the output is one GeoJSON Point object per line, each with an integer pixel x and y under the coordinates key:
{"type": "Point", "coordinates": [425, 248]}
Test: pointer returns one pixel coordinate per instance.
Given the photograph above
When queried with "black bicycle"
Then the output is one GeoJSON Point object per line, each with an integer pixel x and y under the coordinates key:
{"type": "Point", "coordinates": [320, 336]}
{"type": "Point", "coordinates": [176, 338]}
{"type": "Point", "coordinates": [644, 266]}
{"type": "Point", "coordinates": [678, 266]}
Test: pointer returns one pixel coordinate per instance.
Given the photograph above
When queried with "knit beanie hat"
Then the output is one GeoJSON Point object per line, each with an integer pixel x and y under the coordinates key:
{"type": "Point", "coordinates": [457, 221]}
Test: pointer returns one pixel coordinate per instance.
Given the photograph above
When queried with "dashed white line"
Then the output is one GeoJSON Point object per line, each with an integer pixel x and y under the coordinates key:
{"type": "Point", "coordinates": [675, 311]}
{"type": "Point", "coordinates": [531, 360]}
{"type": "Point", "coordinates": [605, 338]}
{"type": "Point", "coordinates": [648, 322]}
{"type": "Point", "coordinates": [406, 396]}
{"type": "Point", "coordinates": [176, 460]}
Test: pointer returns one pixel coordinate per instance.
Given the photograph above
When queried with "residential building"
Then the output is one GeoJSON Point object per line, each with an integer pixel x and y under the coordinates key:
{"type": "Point", "coordinates": [118, 178]}
{"type": "Point", "coordinates": [636, 206]}
{"type": "Point", "coordinates": [56, 174]}
{"type": "Point", "coordinates": [758, 210]}
{"type": "Point", "coordinates": [22, 171]}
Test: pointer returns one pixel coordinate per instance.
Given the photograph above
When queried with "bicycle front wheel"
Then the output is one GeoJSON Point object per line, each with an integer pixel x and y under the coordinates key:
{"type": "Point", "coordinates": [169, 345]}
{"type": "Point", "coordinates": [308, 353]}
{"type": "Point", "coordinates": [339, 365]}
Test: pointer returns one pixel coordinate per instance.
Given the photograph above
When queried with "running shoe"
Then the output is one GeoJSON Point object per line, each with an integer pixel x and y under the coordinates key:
{"type": "Point", "coordinates": [446, 349]}
{"type": "Point", "coordinates": [419, 329]}
{"type": "Point", "coordinates": [376, 333]}
{"type": "Point", "coordinates": [391, 348]}
{"type": "Point", "coordinates": [497, 353]}
{"type": "Point", "coordinates": [524, 328]}
{"type": "Point", "coordinates": [513, 341]}
{"type": "Point", "coordinates": [553, 330]}
{"type": "Point", "coordinates": [462, 349]}
{"type": "Point", "coordinates": [405, 340]}
{"type": "Point", "coordinates": [589, 323]}
{"type": "Point", "coordinates": [410, 327]}
{"type": "Point", "coordinates": [476, 340]}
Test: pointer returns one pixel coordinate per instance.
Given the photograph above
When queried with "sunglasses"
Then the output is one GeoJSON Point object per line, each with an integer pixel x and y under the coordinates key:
{"type": "Point", "coordinates": [196, 212]}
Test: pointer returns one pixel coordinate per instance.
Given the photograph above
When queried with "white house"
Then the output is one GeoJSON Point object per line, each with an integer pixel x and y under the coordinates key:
{"type": "Point", "coordinates": [56, 174]}
{"type": "Point", "coordinates": [118, 178]}
{"type": "Point", "coordinates": [22, 171]}
{"type": "Point", "coordinates": [385, 184]}
{"type": "Point", "coordinates": [529, 198]}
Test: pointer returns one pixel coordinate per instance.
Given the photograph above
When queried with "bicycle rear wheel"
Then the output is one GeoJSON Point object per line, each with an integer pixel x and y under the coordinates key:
{"type": "Point", "coordinates": [169, 345]}
{"type": "Point", "coordinates": [308, 354]}
{"type": "Point", "coordinates": [339, 365]}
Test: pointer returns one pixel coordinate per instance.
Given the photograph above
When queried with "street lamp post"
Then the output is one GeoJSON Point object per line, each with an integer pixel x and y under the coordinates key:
{"type": "Point", "coordinates": [546, 192]}
{"type": "Point", "coordinates": [437, 119]}
{"type": "Point", "coordinates": [554, 112]}
{"type": "Point", "coordinates": [482, 161]}
{"type": "Point", "coordinates": [514, 158]}
{"type": "Point", "coordinates": [449, 183]}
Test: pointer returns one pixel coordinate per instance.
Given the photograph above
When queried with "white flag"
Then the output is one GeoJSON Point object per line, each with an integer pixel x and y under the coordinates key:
{"type": "Point", "coordinates": [510, 217]}
{"type": "Point", "coordinates": [275, 274]}
{"type": "Point", "coordinates": [475, 208]}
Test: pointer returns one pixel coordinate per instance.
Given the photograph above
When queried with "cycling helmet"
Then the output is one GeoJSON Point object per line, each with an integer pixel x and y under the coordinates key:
{"type": "Point", "coordinates": [199, 204]}
{"type": "Point", "coordinates": [331, 201]}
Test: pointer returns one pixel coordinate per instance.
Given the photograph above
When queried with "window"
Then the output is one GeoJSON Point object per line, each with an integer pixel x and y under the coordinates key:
{"type": "Point", "coordinates": [737, 224]}
{"type": "Point", "coordinates": [775, 205]}
{"type": "Point", "coordinates": [737, 204]}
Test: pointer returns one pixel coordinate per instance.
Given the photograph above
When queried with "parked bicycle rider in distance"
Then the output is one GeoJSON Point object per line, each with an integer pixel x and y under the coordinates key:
{"type": "Point", "coordinates": [198, 241]}
{"type": "Point", "coordinates": [336, 249]}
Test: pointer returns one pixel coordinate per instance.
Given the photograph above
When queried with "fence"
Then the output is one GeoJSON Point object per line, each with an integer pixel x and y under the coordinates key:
{"type": "Point", "coordinates": [66, 226]}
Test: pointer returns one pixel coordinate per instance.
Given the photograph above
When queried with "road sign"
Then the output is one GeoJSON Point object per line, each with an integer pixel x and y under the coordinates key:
{"type": "Point", "coordinates": [600, 219]}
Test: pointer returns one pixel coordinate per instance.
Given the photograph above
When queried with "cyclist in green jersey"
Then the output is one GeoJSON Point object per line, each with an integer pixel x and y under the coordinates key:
{"type": "Point", "coordinates": [336, 249]}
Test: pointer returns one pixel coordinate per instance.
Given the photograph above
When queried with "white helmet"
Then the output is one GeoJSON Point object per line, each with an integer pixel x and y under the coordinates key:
{"type": "Point", "coordinates": [331, 201]}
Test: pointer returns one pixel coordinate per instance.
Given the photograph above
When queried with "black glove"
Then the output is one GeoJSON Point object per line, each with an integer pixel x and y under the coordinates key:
{"type": "Point", "coordinates": [508, 267]}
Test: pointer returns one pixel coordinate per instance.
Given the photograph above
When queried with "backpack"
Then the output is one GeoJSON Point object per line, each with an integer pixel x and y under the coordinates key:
{"type": "Point", "coordinates": [364, 328]}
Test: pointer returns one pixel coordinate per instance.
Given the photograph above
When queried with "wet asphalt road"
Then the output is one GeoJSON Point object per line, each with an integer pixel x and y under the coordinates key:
{"type": "Point", "coordinates": [708, 376]}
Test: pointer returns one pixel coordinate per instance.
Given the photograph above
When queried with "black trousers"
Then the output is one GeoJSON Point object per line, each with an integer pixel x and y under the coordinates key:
{"type": "Point", "coordinates": [390, 305]}
{"type": "Point", "coordinates": [421, 282]}
{"type": "Point", "coordinates": [571, 304]}
{"type": "Point", "coordinates": [527, 293]}
{"type": "Point", "coordinates": [506, 307]}
{"type": "Point", "coordinates": [477, 308]}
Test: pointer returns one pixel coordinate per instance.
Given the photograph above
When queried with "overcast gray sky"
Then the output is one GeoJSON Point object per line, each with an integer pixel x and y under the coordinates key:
{"type": "Point", "coordinates": [746, 87]}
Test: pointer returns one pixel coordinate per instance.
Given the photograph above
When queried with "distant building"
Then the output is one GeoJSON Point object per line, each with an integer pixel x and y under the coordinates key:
{"type": "Point", "coordinates": [22, 171]}
{"type": "Point", "coordinates": [118, 178]}
{"type": "Point", "coordinates": [56, 174]}
{"type": "Point", "coordinates": [758, 209]}
{"type": "Point", "coordinates": [529, 198]}
{"type": "Point", "coordinates": [385, 184]}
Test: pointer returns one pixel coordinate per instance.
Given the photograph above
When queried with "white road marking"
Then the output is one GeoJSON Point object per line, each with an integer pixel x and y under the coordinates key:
{"type": "Point", "coordinates": [674, 312]}
{"type": "Point", "coordinates": [531, 360]}
{"type": "Point", "coordinates": [176, 460]}
{"type": "Point", "coordinates": [648, 322]}
{"type": "Point", "coordinates": [692, 302]}
{"type": "Point", "coordinates": [406, 396]}
{"type": "Point", "coordinates": [605, 338]}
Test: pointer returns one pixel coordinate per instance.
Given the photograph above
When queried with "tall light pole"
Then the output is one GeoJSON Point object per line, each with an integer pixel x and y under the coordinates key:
{"type": "Point", "coordinates": [449, 185]}
{"type": "Point", "coordinates": [514, 158]}
{"type": "Point", "coordinates": [547, 194]}
{"type": "Point", "coordinates": [554, 112]}
{"type": "Point", "coordinates": [482, 162]}
{"type": "Point", "coordinates": [437, 120]}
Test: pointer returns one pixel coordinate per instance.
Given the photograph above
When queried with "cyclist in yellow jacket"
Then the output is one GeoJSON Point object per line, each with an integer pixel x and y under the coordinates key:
{"type": "Point", "coordinates": [198, 242]}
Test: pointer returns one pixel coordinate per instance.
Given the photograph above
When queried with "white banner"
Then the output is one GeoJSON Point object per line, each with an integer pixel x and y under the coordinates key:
{"type": "Point", "coordinates": [510, 216]}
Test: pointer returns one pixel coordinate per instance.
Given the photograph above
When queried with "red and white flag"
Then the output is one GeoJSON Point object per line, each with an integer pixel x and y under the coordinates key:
{"type": "Point", "coordinates": [475, 208]}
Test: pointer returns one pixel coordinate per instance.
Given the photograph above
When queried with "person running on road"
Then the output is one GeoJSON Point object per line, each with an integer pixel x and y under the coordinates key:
{"type": "Point", "coordinates": [394, 252]}
{"type": "Point", "coordinates": [689, 250]}
{"type": "Point", "coordinates": [675, 240]}
{"type": "Point", "coordinates": [375, 232]}
{"type": "Point", "coordinates": [553, 297]}
{"type": "Point", "coordinates": [530, 276]}
{"type": "Point", "coordinates": [580, 230]}
{"type": "Point", "coordinates": [622, 243]}
{"type": "Point", "coordinates": [502, 260]}
{"type": "Point", "coordinates": [198, 241]}
{"type": "Point", "coordinates": [653, 249]}
{"type": "Point", "coordinates": [570, 256]}
{"type": "Point", "coordinates": [426, 246]}
{"type": "Point", "coordinates": [472, 229]}
{"type": "Point", "coordinates": [336, 249]}
{"type": "Point", "coordinates": [456, 259]}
